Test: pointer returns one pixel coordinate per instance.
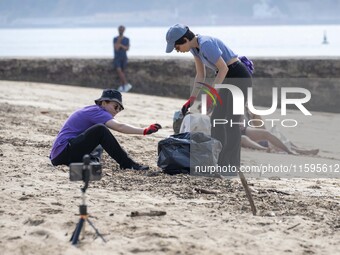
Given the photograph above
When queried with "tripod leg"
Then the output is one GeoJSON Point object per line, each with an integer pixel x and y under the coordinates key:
{"type": "Point", "coordinates": [96, 230]}
{"type": "Point", "coordinates": [74, 231]}
{"type": "Point", "coordinates": [75, 236]}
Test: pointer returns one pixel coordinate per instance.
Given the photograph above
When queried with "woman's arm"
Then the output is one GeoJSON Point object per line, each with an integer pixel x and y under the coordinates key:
{"type": "Point", "coordinates": [222, 71]}
{"type": "Point", "coordinates": [124, 128]}
{"type": "Point", "coordinates": [200, 76]}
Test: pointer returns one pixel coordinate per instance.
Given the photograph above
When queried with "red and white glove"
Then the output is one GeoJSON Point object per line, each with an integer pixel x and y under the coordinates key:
{"type": "Point", "coordinates": [188, 104]}
{"type": "Point", "coordinates": [153, 128]}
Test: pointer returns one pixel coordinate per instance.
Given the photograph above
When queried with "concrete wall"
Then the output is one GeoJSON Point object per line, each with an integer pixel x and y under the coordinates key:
{"type": "Point", "coordinates": [172, 77]}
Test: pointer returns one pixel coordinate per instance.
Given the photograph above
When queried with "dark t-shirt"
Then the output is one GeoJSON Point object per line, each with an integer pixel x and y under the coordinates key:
{"type": "Point", "coordinates": [121, 53]}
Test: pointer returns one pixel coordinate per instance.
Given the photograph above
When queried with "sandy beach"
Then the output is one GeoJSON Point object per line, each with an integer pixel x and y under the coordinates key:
{"type": "Point", "coordinates": [39, 205]}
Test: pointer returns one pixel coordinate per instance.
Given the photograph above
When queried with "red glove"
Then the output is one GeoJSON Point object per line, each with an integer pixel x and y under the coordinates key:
{"type": "Point", "coordinates": [153, 128]}
{"type": "Point", "coordinates": [188, 104]}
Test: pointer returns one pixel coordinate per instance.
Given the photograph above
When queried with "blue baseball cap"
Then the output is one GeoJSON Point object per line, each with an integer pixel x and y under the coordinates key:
{"type": "Point", "coordinates": [174, 33]}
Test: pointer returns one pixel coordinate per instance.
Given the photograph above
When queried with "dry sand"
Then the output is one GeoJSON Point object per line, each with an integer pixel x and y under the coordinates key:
{"type": "Point", "coordinates": [39, 205]}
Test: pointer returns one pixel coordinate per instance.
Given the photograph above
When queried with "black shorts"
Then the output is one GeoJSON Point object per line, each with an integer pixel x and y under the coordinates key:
{"type": "Point", "coordinates": [120, 63]}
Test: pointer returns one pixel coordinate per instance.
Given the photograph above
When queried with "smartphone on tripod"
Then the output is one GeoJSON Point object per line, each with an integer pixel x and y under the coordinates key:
{"type": "Point", "coordinates": [77, 171]}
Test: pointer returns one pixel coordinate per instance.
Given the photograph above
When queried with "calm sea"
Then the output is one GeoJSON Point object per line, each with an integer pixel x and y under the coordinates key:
{"type": "Point", "coordinates": [150, 41]}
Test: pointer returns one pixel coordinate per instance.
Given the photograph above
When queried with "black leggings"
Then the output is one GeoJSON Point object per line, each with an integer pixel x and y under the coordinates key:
{"type": "Point", "coordinates": [230, 136]}
{"type": "Point", "coordinates": [88, 142]}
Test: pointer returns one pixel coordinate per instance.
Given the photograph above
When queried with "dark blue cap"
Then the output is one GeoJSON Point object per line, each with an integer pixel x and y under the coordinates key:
{"type": "Point", "coordinates": [174, 33]}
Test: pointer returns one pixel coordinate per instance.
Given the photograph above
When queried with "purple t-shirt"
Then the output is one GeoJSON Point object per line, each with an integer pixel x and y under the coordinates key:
{"type": "Point", "coordinates": [211, 49]}
{"type": "Point", "coordinates": [76, 124]}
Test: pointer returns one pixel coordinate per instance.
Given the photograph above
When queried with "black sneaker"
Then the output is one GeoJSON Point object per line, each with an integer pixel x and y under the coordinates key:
{"type": "Point", "coordinates": [136, 166]}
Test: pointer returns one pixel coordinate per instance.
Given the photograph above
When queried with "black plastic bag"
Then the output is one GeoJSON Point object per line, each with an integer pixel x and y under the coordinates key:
{"type": "Point", "coordinates": [181, 153]}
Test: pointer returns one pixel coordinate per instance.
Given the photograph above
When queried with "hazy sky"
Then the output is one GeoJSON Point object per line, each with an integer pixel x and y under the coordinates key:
{"type": "Point", "coordinates": [28, 13]}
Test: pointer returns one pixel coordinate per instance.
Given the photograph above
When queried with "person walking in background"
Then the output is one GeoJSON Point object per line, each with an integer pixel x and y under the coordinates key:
{"type": "Point", "coordinates": [213, 53]}
{"type": "Point", "coordinates": [121, 45]}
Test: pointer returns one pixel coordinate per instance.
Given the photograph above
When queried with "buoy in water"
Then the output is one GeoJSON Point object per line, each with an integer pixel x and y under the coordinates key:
{"type": "Point", "coordinates": [325, 41]}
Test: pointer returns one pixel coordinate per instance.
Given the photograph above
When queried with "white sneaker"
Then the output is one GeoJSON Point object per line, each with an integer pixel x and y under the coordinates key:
{"type": "Point", "coordinates": [120, 89]}
{"type": "Point", "coordinates": [127, 87]}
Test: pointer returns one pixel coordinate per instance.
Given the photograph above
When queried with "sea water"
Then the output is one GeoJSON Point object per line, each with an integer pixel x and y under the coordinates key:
{"type": "Point", "coordinates": [266, 41]}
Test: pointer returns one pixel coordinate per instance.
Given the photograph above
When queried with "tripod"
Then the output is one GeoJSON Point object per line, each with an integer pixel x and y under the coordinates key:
{"type": "Point", "coordinates": [83, 207]}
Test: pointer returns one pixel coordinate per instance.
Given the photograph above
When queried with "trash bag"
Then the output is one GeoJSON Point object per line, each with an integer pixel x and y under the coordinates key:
{"type": "Point", "coordinates": [177, 121]}
{"type": "Point", "coordinates": [182, 153]}
{"type": "Point", "coordinates": [196, 122]}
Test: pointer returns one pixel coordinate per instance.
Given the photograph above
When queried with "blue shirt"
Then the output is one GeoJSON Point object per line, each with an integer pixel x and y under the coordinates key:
{"type": "Point", "coordinates": [76, 124]}
{"type": "Point", "coordinates": [121, 53]}
{"type": "Point", "coordinates": [211, 49]}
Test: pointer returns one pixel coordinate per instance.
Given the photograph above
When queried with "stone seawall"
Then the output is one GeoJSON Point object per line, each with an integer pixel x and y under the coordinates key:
{"type": "Point", "coordinates": [172, 76]}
